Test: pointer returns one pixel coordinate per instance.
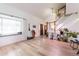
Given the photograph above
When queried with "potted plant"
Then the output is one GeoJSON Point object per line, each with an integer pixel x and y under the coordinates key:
{"type": "Point", "coordinates": [65, 35]}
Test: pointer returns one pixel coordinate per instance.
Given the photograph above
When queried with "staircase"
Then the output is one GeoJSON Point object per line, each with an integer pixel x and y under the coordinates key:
{"type": "Point", "coordinates": [68, 21]}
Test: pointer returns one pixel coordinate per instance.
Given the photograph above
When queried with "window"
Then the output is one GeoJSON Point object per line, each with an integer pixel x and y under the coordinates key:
{"type": "Point", "coordinates": [51, 24]}
{"type": "Point", "coordinates": [10, 25]}
{"type": "Point", "coordinates": [0, 26]}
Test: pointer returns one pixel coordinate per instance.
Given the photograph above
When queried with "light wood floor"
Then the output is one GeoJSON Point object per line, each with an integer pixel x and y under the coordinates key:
{"type": "Point", "coordinates": [38, 47]}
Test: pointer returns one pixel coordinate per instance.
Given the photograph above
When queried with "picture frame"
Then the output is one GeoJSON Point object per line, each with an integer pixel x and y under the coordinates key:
{"type": "Point", "coordinates": [34, 26]}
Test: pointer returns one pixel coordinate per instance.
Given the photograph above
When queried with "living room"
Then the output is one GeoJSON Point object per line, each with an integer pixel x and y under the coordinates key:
{"type": "Point", "coordinates": [29, 28]}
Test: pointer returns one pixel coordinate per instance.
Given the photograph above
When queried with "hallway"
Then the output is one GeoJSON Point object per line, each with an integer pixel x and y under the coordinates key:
{"type": "Point", "coordinates": [38, 47]}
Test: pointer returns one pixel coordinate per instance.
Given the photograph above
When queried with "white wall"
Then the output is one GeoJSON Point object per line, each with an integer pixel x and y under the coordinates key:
{"type": "Point", "coordinates": [29, 19]}
{"type": "Point", "coordinates": [32, 20]}
{"type": "Point", "coordinates": [70, 22]}
{"type": "Point", "coordinates": [72, 7]}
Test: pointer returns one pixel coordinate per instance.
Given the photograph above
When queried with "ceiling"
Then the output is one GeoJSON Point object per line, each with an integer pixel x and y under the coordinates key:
{"type": "Point", "coordinates": [37, 9]}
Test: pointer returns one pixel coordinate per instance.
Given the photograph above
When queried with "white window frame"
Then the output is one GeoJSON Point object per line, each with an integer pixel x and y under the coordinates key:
{"type": "Point", "coordinates": [10, 18]}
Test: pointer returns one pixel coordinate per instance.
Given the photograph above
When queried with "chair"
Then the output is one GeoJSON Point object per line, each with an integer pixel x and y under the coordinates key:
{"type": "Point", "coordinates": [75, 41]}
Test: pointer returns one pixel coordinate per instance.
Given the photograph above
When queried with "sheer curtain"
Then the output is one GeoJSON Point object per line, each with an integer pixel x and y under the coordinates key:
{"type": "Point", "coordinates": [10, 26]}
{"type": "Point", "coordinates": [0, 26]}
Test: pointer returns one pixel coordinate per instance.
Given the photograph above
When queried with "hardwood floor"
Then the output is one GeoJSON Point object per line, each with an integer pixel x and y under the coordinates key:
{"type": "Point", "coordinates": [38, 47]}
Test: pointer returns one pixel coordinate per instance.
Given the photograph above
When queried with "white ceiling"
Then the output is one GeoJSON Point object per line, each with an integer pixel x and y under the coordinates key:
{"type": "Point", "coordinates": [36, 9]}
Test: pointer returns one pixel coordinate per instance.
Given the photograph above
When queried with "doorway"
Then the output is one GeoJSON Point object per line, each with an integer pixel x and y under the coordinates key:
{"type": "Point", "coordinates": [45, 29]}
{"type": "Point", "coordinates": [41, 29]}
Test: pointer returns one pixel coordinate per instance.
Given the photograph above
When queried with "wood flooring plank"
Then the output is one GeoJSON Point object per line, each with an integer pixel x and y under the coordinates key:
{"type": "Point", "coordinates": [40, 46]}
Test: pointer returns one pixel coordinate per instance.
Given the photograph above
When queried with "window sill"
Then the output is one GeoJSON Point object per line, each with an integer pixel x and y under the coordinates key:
{"type": "Point", "coordinates": [11, 35]}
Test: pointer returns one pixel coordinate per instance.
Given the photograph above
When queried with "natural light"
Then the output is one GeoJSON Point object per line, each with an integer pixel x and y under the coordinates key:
{"type": "Point", "coordinates": [10, 26]}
